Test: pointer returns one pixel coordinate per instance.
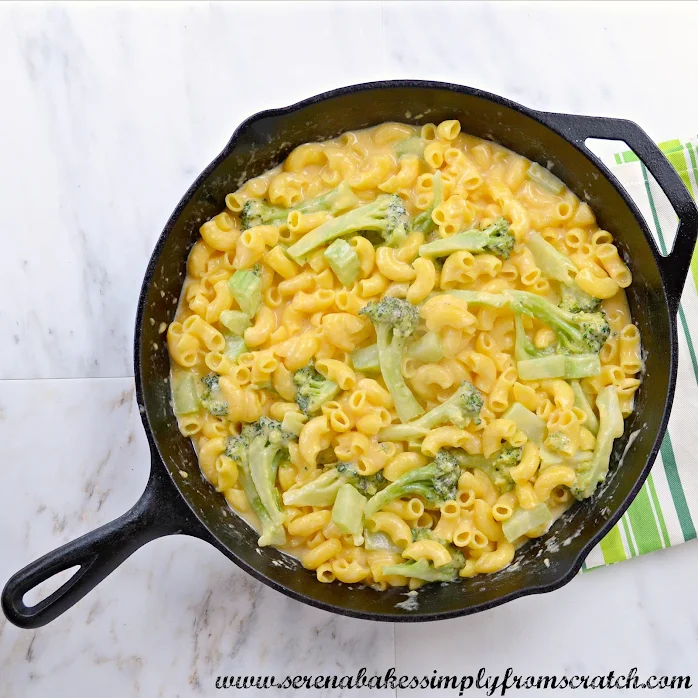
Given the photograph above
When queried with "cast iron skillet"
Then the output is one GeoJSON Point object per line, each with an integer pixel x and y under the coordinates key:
{"type": "Point", "coordinates": [172, 503]}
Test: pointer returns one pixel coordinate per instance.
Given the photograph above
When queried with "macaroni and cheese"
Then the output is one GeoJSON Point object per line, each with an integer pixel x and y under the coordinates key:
{"type": "Point", "coordinates": [403, 353]}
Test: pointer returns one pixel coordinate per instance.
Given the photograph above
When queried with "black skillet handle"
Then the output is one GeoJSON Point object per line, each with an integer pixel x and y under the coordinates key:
{"type": "Point", "coordinates": [159, 512]}
{"type": "Point", "coordinates": [675, 265]}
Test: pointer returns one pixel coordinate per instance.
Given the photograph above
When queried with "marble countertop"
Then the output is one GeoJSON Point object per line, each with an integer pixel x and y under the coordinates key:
{"type": "Point", "coordinates": [110, 112]}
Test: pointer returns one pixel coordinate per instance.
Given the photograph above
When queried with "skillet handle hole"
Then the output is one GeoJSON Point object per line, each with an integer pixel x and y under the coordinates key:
{"type": "Point", "coordinates": [32, 597]}
{"type": "Point", "coordinates": [642, 186]}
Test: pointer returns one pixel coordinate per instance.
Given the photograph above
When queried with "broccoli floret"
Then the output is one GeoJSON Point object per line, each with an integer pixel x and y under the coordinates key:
{"type": "Point", "coordinates": [421, 533]}
{"type": "Point", "coordinates": [368, 485]}
{"type": "Point", "coordinates": [499, 466]}
{"type": "Point", "coordinates": [426, 533]}
{"type": "Point", "coordinates": [395, 319]}
{"type": "Point", "coordinates": [313, 389]}
{"type": "Point", "coordinates": [425, 570]}
{"type": "Point", "coordinates": [462, 408]}
{"type": "Point", "coordinates": [507, 457]}
{"type": "Point", "coordinates": [212, 398]}
{"type": "Point", "coordinates": [385, 216]}
{"type": "Point", "coordinates": [500, 241]}
{"type": "Point", "coordinates": [436, 483]}
{"type": "Point", "coordinates": [577, 333]}
{"type": "Point", "coordinates": [580, 336]}
{"type": "Point", "coordinates": [322, 491]}
{"type": "Point", "coordinates": [256, 452]}
{"type": "Point", "coordinates": [574, 300]}
{"type": "Point", "coordinates": [495, 239]}
{"type": "Point", "coordinates": [398, 314]}
{"type": "Point", "coordinates": [557, 441]}
{"type": "Point", "coordinates": [211, 381]}
{"type": "Point", "coordinates": [553, 364]}
{"type": "Point", "coordinates": [257, 212]}
{"type": "Point", "coordinates": [423, 222]}
{"type": "Point", "coordinates": [595, 331]}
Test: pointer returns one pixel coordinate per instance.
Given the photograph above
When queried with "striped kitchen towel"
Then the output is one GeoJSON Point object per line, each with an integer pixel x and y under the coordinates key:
{"type": "Point", "coordinates": [665, 512]}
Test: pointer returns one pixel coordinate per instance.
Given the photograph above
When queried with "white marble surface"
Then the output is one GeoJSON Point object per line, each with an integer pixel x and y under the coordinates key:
{"type": "Point", "coordinates": [109, 113]}
{"type": "Point", "coordinates": [175, 615]}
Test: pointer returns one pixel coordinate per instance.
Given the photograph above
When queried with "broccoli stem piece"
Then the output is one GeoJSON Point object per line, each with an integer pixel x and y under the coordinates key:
{"type": "Point", "coordinates": [246, 287]}
{"type": "Point", "coordinates": [380, 541]}
{"type": "Point", "coordinates": [478, 298]}
{"type": "Point", "coordinates": [578, 333]}
{"type": "Point", "coordinates": [524, 520]}
{"type": "Point", "coordinates": [348, 510]}
{"type": "Point", "coordinates": [495, 239]}
{"type": "Point", "coordinates": [234, 346]}
{"type": "Point", "coordinates": [582, 402]}
{"type": "Point", "coordinates": [366, 359]}
{"type": "Point", "coordinates": [541, 175]}
{"type": "Point", "coordinates": [593, 472]}
{"type": "Point", "coordinates": [386, 216]}
{"type": "Point", "coordinates": [340, 198]}
{"type": "Point", "coordinates": [582, 365]}
{"type": "Point", "coordinates": [528, 422]}
{"type": "Point", "coordinates": [552, 263]}
{"type": "Point", "coordinates": [460, 409]}
{"type": "Point", "coordinates": [524, 348]}
{"type": "Point", "coordinates": [343, 261]}
{"type": "Point", "coordinates": [423, 222]}
{"type": "Point", "coordinates": [436, 483]}
{"type": "Point", "coordinates": [271, 533]}
{"type": "Point", "coordinates": [320, 492]}
{"type": "Point", "coordinates": [545, 367]}
{"type": "Point", "coordinates": [395, 319]}
{"type": "Point", "coordinates": [390, 350]}
{"type": "Point", "coordinates": [428, 348]}
{"type": "Point", "coordinates": [425, 570]}
{"type": "Point", "coordinates": [235, 321]}
{"type": "Point", "coordinates": [184, 394]}
{"type": "Point", "coordinates": [263, 465]}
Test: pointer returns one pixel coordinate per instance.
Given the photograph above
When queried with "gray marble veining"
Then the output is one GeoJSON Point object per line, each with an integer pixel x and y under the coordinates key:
{"type": "Point", "coordinates": [120, 111]}
{"type": "Point", "coordinates": [114, 111]}
{"type": "Point", "coordinates": [174, 616]}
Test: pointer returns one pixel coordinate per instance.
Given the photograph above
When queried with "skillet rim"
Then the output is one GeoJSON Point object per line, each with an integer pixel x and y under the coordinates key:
{"type": "Point", "coordinates": [545, 119]}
